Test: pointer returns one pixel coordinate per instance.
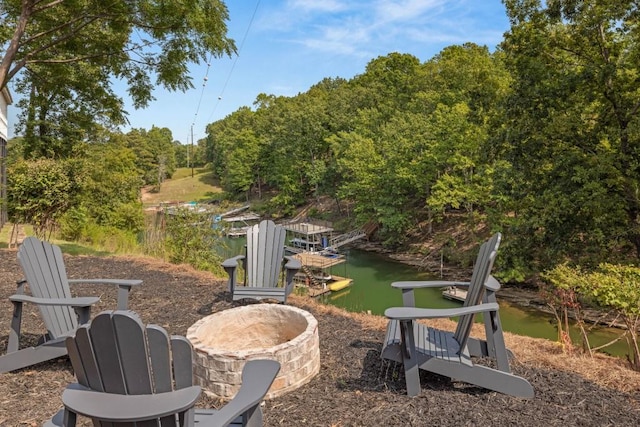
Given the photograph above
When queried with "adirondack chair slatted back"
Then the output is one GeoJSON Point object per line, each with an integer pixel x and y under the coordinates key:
{"type": "Point", "coordinates": [43, 267]}
{"type": "Point", "coordinates": [116, 353]}
{"type": "Point", "coordinates": [475, 293]}
{"type": "Point", "coordinates": [265, 252]}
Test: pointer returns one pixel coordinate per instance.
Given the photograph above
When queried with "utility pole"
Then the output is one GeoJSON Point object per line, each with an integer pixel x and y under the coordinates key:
{"type": "Point", "coordinates": [192, 156]}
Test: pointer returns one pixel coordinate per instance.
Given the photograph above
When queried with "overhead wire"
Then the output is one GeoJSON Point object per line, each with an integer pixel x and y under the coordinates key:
{"type": "Point", "coordinates": [233, 65]}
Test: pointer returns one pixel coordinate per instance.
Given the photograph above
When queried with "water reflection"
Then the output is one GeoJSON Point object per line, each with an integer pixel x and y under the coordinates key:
{"type": "Point", "coordinates": [373, 273]}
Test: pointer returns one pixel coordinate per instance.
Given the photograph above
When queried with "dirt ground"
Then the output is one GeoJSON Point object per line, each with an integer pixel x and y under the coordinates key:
{"type": "Point", "coordinates": [354, 386]}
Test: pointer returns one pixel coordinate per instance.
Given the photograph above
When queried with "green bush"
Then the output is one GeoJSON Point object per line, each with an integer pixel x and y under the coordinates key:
{"type": "Point", "coordinates": [188, 237]}
{"type": "Point", "coordinates": [73, 223]}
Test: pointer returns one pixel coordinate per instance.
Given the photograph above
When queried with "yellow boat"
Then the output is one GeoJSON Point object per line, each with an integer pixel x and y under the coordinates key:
{"type": "Point", "coordinates": [339, 284]}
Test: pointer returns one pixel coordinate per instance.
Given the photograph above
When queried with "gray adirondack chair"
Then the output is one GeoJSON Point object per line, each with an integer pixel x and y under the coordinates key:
{"type": "Point", "coordinates": [263, 263]}
{"type": "Point", "coordinates": [44, 272]}
{"type": "Point", "coordinates": [128, 373]}
{"type": "Point", "coordinates": [418, 346]}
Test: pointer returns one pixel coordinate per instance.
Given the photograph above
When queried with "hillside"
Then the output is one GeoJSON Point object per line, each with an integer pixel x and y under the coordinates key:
{"type": "Point", "coordinates": [183, 187]}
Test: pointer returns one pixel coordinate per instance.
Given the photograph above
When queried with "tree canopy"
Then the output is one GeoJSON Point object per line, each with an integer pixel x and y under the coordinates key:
{"type": "Point", "coordinates": [67, 54]}
{"type": "Point", "coordinates": [539, 139]}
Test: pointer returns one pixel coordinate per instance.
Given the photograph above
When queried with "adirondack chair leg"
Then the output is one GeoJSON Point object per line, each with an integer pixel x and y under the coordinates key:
{"type": "Point", "coordinates": [83, 313]}
{"type": "Point", "coordinates": [408, 298]}
{"type": "Point", "coordinates": [244, 267]}
{"type": "Point", "coordinates": [495, 342]}
{"type": "Point", "coordinates": [14, 333]}
{"type": "Point", "coordinates": [289, 280]}
{"type": "Point", "coordinates": [123, 297]}
{"type": "Point", "coordinates": [410, 358]}
{"type": "Point", "coordinates": [187, 418]}
{"type": "Point", "coordinates": [253, 417]}
{"type": "Point", "coordinates": [232, 272]}
{"type": "Point", "coordinates": [496, 346]}
{"type": "Point", "coordinates": [70, 419]}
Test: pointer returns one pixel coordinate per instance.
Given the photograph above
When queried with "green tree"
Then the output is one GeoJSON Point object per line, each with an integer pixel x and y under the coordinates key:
{"type": "Point", "coordinates": [132, 40]}
{"type": "Point", "coordinates": [111, 190]}
{"type": "Point", "coordinates": [41, 191]}
{"type": "Point", "coordinates": [155, 153]}
{"type": "Point", "coordinates": [66, 106]}
{"type": "Point", "coordinates": [612, 287]}
{"type": "Point", "coordinates": [571, 134]}
{"type": "Point", "coordinates": [241, 172]}
{"type": "Point", "coordinates": [73, 51]}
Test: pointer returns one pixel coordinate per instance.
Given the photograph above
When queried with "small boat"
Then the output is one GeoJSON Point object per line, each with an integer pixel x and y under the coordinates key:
{"type": "Point", "coordinates": [339, 284]}
{"type": "Point", "coordinates": [321, 276]}
{"type": "Point", "coordinates": [308, 245]}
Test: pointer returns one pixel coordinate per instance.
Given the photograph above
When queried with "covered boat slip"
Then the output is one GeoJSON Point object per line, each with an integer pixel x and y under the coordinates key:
{"type": "Point", "coordinates": [308, 236]}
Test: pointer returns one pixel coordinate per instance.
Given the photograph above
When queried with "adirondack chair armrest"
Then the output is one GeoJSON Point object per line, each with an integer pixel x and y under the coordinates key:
{"type": "Point", "coordinates": [111, 407]}
{"type": "Point", "coordinates": [232, 262]}
{"type": "Point", "coordinates": [230, 265]}
{"type": "Point", "coordinates": [70, 302]}
{"type": "Point", "coordinates": [416, 284]}
{"type": "Point", "coordinates": [492, 284]}
{"type": "Point", "coordinates": [117, 282]}
{"type": "Point", "coordinates": [124, 287]}
{"type": "Point", "coordinates": [257, 377]}
{"type": "Point", "coordinates": [410, 313]}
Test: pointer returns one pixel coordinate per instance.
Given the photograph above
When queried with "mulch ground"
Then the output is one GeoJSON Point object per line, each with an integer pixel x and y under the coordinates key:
{"type": "Point", "coordinates": [354, 386]}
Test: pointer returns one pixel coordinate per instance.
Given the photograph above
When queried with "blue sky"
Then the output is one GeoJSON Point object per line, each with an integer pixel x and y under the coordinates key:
{"type": "Point", "coordinates": [286, 46]}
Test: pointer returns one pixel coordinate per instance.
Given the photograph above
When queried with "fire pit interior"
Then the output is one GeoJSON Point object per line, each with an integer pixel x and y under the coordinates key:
{"type": "Point", "coordinates": [224, 341]}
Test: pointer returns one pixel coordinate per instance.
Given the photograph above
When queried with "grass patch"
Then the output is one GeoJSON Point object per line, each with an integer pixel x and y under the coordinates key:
{"type": "Point", "coordinates": [78, 249]}
{"type": "Point", "coordinates": [185, 188]}
{"type": "Point", "coordinates": [67, 247]}
{"type": "Point", "coordinates": [186, 172]}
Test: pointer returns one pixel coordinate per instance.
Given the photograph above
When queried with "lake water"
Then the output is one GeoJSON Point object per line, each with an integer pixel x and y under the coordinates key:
{"type": "Point", "coordinates": [371, 291]}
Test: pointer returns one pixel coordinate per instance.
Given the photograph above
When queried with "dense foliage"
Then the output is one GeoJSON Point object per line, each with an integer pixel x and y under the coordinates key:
{"type": "Point", "coordinates": [539, 139]}
{"type": "Point", "coordinates": [67, 55]}
{"type": "Point", "coordinates": [614, 288]}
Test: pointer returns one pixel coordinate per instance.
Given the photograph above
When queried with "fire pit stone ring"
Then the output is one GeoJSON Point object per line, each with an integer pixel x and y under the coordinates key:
{"type": "Point", "coordinates": [224, 341]}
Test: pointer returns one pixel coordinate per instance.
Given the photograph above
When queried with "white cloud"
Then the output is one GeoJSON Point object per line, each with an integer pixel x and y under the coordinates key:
{"type": "Point", "coordinates": [323, 6]}
{"type": "Point", "coordinates": [357, 27]}
{"type": "Point", "coordinates": [406, 11]}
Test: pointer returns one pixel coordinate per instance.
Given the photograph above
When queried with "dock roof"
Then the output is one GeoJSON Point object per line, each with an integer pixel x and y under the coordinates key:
{"type": "Point", "coordinates": [308, 228]}
{"type": "Point", "coordinates": [317, 260]}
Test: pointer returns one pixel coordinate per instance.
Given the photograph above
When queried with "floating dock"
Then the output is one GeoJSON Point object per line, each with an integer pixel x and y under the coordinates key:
{"type": "Point", "coordinates": [238, 225]}
{"type": "Point", "coordinates": [455, 294]}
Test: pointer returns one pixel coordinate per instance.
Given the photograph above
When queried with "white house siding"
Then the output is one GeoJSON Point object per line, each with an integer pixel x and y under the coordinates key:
{"type": "Point", "coordinates": [5, 101]}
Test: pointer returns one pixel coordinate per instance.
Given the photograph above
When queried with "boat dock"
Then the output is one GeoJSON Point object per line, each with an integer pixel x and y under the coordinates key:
{"type": "Point", "coordinates": [238, 225]}
{"type": "Point", "coordinates": [339, 283]}
{"type": "Point", "coordinates": [455, 294]}
{"type": "Point", "coordinates": [321, 261]}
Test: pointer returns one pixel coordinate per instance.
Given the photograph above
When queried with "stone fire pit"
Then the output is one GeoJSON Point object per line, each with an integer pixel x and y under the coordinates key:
{"type": "Point", "coordinates": [224, 341]}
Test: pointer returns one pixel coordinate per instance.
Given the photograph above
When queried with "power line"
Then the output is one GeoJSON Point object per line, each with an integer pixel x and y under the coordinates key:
{"type": "Point", "coordinates": [204, 84]}
{"type": "Point", "coordinates": [233, 66]}
{"type": "Point", "coordinates": [206, 77]}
